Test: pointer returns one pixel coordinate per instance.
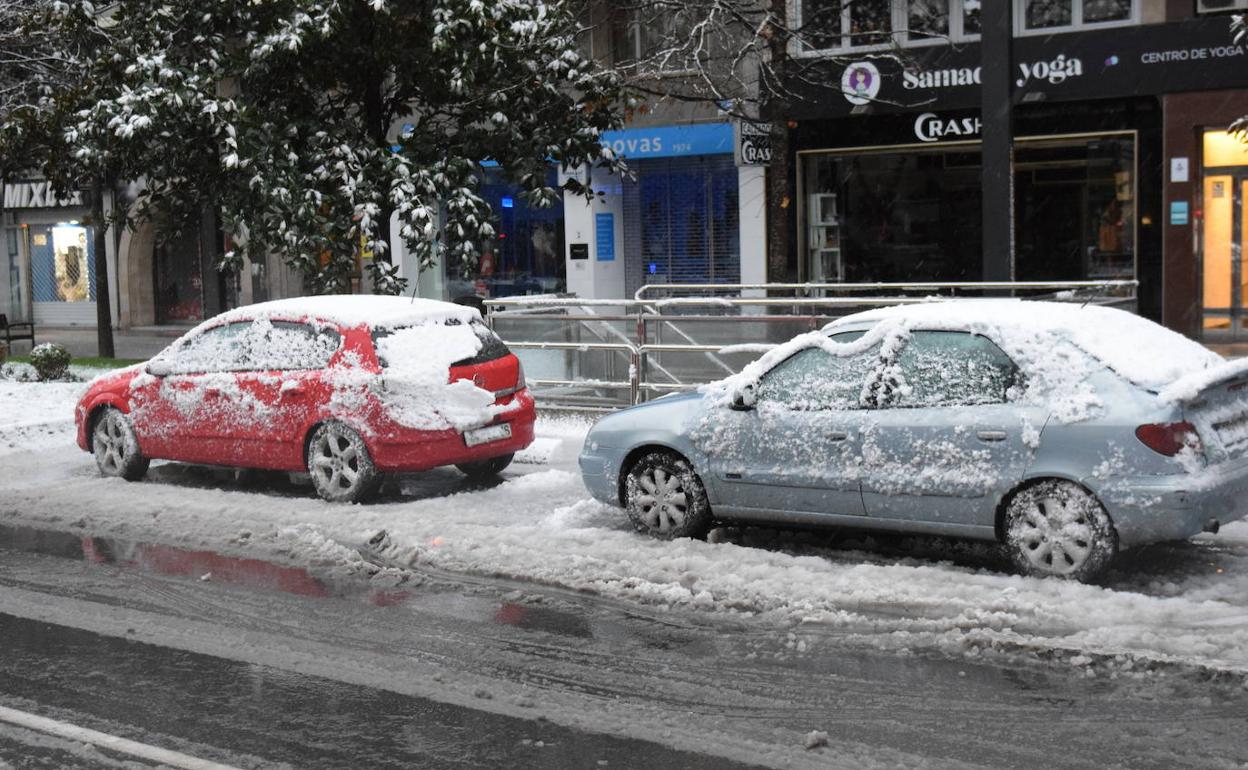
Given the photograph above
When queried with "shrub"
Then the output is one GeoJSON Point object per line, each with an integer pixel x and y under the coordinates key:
{"type": "Point", "coordinates": [51, 360]}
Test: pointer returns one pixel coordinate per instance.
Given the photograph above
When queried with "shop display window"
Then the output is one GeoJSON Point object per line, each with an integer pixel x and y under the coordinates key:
{"type": "Point", "coordinates": [914, 214]}
{"type": "Point", "coordinates": [62, 263]}
{"type": "Point", "coordinates": [525, 257]}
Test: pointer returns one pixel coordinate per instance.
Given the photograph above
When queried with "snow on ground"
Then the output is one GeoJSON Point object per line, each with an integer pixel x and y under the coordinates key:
{"type": "Point", "coordinates": [1185, 603]}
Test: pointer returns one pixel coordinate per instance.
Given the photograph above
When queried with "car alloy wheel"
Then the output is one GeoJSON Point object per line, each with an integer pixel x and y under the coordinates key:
{"type": "Point", "coordinates": [341, 468]}
{"type": "Point", "coordinates": [115, 447]}
{"type": "Point", "coordinates": [663, 496]}
{"type": "Point", "coordinates": [1057, 528]}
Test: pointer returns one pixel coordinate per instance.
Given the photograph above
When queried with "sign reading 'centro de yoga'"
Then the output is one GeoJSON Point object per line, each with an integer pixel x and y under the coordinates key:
{"type": "Point", "coordinates": [1193, 55]}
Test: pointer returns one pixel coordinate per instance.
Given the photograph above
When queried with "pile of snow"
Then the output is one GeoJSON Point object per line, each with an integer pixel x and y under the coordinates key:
{"type": "Point", "coordinates": [417, 362]}
{"type": "Point", "coordinates": [353, 310]}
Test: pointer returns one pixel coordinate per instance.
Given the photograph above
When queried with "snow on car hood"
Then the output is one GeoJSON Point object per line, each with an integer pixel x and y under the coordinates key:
{"type": "Point", "coordinates": [417, 393]}
{"type": "Point", "coordinates": [1143, 352]}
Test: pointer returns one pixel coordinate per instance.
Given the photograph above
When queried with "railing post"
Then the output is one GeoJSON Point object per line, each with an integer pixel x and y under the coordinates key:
{"type": "Point", "coordinates": [637, 367]}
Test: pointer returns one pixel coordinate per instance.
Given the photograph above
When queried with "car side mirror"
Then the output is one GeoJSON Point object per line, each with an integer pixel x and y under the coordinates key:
{"type": "Point", "coordinates": [159, 368]}
{"type": "Point", "coordinates": [745, 398]}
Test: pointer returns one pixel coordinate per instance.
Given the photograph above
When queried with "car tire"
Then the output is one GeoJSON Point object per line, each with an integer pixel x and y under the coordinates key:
{"type": "Point", "coordinates": [1056, 528]}
{"type": "Point", "coordinates": [116, 448]}
{"type": "Point", "coordinates": [484, 469]}
{"type": "Point", "coordinates": [341, 468]}
{"type": "Point", "coordinates": [665, 498]}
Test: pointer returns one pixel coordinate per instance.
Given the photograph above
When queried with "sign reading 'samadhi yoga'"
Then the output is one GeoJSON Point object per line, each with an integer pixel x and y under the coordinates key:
{"type": "Point", "coordinates": [1193, 55]}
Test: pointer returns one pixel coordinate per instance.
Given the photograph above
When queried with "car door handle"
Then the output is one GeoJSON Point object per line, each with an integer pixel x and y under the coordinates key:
{"type": "Point", "coordinates": [991, 435]}
{"type": "Point", "coordinates": [295, 392]}
{"type": "Point", "coordinates": [836, 435]}
{"type": "Point", "coordinates": [212, 393]}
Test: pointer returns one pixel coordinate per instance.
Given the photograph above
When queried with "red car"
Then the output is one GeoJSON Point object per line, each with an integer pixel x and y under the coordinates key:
{"type": "Point", "coordinates": [344, 387]}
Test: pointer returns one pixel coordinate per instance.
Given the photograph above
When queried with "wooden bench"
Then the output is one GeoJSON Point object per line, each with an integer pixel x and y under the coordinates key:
{"type": "Point", "coordinates": [16, 331]}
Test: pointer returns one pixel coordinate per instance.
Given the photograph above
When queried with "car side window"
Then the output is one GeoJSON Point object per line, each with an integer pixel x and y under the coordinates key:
{"type": "Point", "coordinates": [813, 379]}
{"type": "Point", "coordinates": [217, 349]}
{"type": "Point", "coordinates": [950, 368]}
{"type": "Point", "coordinates": [284, 345]}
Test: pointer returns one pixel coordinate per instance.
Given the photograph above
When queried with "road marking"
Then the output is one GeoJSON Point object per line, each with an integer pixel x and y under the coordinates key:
{"type": "Point", "coordinates": [112, 742]}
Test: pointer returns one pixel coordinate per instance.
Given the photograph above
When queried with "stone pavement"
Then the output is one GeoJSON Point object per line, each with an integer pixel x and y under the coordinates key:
{"type": "Point", "coordinates": [142, 342]}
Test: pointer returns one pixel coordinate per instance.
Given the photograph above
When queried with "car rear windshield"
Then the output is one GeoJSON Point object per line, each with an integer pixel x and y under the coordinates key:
{"type": "Point", "coordinates": [492, 347]}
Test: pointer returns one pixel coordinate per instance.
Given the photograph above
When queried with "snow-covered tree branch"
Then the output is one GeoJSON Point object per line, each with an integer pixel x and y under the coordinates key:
{"type": "Point", "coordinates": [306, 125]}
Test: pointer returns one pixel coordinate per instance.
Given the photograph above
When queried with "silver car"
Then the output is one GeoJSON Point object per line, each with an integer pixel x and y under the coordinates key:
{"type": "Point", "coordinates": [1064, 432]}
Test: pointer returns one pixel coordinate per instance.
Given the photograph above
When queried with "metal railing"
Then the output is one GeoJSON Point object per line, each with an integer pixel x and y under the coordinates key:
{"type": "Point", "coordinates": [608, 353]}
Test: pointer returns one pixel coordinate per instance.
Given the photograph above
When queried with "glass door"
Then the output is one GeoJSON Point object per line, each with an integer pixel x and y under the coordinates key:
{"type": "Point", "coordinates": [1224, 189]}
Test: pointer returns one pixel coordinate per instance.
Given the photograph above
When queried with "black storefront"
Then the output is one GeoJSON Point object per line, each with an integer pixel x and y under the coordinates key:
{"type": "Point", "coordinates": [888, 162]}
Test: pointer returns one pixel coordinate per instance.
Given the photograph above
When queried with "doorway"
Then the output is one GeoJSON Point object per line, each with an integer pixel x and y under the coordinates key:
{"type": "Point", "coordinates": [1224, 191]}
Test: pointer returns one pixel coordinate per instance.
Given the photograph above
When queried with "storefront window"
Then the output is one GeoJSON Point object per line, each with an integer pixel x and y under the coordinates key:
{"type": "Point", "coordinates": [1075, 209]}
{"type": "Point", "coordinates": [527, 255]}
{"type": "Point", "coordinates": [896, 216]}
{"type": "Point", "coordinates": [682, 222]}
{"type": "Point", "coordinates": [178, 279]}
{"type": "Point", "coordinates": [914, 214]}
{"type": "Point", "coordinates": [62, 263]}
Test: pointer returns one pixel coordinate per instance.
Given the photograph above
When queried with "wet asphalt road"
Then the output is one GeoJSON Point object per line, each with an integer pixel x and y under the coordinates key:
{"type": "Point", "coordinates": [277, 666]}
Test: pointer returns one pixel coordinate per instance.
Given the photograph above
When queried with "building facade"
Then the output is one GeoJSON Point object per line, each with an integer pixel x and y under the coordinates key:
{"type": "Point", "coordinates": [1122, 164]}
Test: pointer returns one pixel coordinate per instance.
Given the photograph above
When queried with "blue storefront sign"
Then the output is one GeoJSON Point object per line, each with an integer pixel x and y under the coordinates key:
{"type": "Point", "coordinates": [604, 236]}
{"type": "Point", "coordinates": [671, 141]}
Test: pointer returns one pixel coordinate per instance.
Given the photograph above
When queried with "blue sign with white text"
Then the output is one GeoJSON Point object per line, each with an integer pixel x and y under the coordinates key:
{"type": "Point", "coordinates": [604, 236]}
{"type": "Point", "coordinates": [671, 141]}
{"type": "Point", "coordinates": [1178, 212]}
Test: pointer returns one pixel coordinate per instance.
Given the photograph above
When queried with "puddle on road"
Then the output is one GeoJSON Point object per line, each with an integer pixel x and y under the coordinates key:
{"type": "Point", "coordinates": [476, 604]}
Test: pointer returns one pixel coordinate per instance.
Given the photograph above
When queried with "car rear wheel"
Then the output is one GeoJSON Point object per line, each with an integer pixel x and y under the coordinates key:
{"type": "Point", "coordinates": [116, 448]}
{"type": "Point", "coordinates": [341, 468]}
{"type": "Point", "coordinates": [486, 468]}
{"type": "Point", "coordinates": [1057, 528]}
{"type": "Point", "coordinates": [664, 497]}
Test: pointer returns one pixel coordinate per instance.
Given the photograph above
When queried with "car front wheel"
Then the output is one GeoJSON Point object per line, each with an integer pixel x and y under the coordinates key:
{"type": "Point", "coordinates": [115, 447]}
{"type": "Point", "coordinates": [341, 468]}
{"type": "Point", "coordinates": [664, 497]}
{"type": "Point", "coordinates": [1057, 528]}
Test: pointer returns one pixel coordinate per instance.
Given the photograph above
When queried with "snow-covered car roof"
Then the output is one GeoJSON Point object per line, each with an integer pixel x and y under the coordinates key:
{"type": "Point", "coordinates": [355, 310]}
{"type": "Point", "coordinates": [1144, 352]}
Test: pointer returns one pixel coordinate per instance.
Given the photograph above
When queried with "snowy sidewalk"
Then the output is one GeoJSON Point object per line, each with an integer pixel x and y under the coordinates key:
{"type": "Point", "coordinates": [1185, 603]}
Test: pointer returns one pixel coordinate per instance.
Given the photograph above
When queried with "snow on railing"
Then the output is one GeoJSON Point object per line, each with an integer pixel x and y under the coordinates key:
{"type": "Point", "coordinates": [741, 321]}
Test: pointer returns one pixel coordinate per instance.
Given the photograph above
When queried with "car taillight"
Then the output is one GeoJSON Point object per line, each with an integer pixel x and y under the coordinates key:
{"type": "Point", "coordinates": [520, 383]}
{"type": "Point", "coordinates": [1168, 438]}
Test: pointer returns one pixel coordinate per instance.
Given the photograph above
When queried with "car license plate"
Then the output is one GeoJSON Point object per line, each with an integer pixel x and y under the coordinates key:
{"type": "Point", "coordinates": [487, 434]}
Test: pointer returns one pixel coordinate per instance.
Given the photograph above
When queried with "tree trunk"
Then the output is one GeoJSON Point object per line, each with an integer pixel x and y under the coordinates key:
{"type": "Point", "coordinates": [780, 208]}
{"type": "Point", "coordinates": [774, 107]}
{"type": "Point", "coordinates": [103, 307]}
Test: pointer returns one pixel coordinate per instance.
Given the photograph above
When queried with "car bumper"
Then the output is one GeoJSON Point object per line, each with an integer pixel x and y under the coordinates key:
{"type": "Point", "coordinates": [600, 472]}
{"type": "Point", "coordinates": [1154, 509]}
{"type": "Point", "coordinates": [422, 450]}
